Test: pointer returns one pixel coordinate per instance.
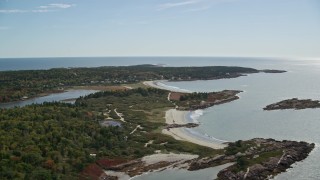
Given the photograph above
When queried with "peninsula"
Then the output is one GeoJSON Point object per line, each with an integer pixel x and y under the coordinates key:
{"type": "Point", "coordinates": [20, 85]}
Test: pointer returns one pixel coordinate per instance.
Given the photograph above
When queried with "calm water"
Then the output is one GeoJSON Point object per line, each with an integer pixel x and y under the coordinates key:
{"type": "Point", "coordinates": [50, 98]}
{"type": "Point", "coordinates": [245, 119]}
{"type": "Point", "coordinates": [241, 119]}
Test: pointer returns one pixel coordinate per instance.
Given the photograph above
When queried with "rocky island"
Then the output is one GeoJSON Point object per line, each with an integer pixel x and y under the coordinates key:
{"type": "Point", "coordinates": [294, 103]}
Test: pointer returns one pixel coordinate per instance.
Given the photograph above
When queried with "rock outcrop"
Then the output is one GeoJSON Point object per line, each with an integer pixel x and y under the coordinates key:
{"type": "Point", "coordinates": [272, 71]}
{"type": "Point", "coordinates": [253, 159]}
{"type": "Point", "coordinates": [269, 159]}
{"type": "Point", "coordinates": [188, 125]}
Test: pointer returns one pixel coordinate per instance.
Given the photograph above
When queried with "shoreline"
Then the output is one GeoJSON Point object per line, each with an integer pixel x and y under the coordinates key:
{"type": "Point", "coordinates": [43, 94]}
{"type": "Point", "coordinates": [174, 116]}
{"type": "Point", "coordinates": [155, 84]}
{"type": "Point", "coordinates": [66, 89]}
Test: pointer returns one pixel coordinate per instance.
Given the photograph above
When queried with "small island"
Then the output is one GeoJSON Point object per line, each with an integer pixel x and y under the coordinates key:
{"type": "Point", "coordinates": [294, 103]}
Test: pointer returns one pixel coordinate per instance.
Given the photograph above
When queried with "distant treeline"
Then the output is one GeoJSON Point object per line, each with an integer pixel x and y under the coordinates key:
{"type": "Point", "coordinates": [141, 91]}
{"type": "Point", "coordinates": [15, 85]}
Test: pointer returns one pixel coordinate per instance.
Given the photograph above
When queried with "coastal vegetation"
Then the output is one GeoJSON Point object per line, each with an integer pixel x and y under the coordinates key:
{"type": "Point", "coordinates": [262, 158]}
{"type": "Point", "coordinates": [17, 85]}
{"type": "Point", "coordinates": [193, 101]}
{"type": "Point", "coordinates": [57, 140]}
{"type": "Point", "coordinates": [52, 141]}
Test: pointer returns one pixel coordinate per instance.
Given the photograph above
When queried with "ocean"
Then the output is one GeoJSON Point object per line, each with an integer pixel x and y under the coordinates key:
{"type": "Point", "coordinates": [245, 118]}
{"type": "Point", "coordinates": [240, 119]}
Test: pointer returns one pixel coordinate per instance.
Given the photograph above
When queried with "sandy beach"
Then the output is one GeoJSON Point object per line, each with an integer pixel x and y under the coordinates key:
{"type": "Point", "coordinates": [155, 84]}
{"type": "Point", "coordinates": [175, 161]}
{"type": "Point", "coordinates": [174, 116]}
{"type": "Point", "coordinates": [171, 157]}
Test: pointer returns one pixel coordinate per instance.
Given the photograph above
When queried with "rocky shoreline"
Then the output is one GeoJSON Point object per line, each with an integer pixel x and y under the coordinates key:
{"type": "Point", "coordinates": [272, 71]}
{"type": "Point", "coordinates": [253, 159]}
{"type": "Point", "coordinates": [294, 103]}
{"type": "Point", "coordinates": [266, 159]}
{"type": "Point", "coordinates": [188, 125]}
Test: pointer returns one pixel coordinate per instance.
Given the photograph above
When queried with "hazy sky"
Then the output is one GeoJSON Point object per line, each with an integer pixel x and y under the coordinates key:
{"type": "Point", "coordinates": [56, 28]}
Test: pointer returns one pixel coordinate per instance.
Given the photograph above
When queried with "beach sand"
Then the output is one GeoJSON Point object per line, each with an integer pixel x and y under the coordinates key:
{"type": "Point", "coordinates": [175, 161]}
{"type": "Point", "coordinates": [154, 84]}
{"type": "Point", "coordinates": [172, 157]}
{"type": "Point", "coordinates": [174, 116]}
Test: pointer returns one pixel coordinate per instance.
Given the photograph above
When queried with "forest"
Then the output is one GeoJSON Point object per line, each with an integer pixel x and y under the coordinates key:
{"type": "Point", "coordinates": [57, 140]}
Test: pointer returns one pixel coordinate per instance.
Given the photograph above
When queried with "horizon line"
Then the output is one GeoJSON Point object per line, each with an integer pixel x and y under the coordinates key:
{"type": "Point", "coordinates": [172, 56]}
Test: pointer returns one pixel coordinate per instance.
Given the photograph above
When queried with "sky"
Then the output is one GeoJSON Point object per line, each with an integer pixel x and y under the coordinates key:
{"type": "Point", "coordinates": [82, 28]}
